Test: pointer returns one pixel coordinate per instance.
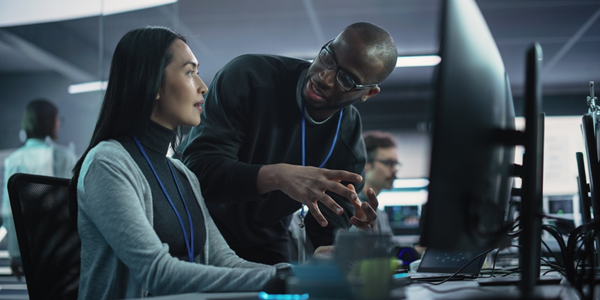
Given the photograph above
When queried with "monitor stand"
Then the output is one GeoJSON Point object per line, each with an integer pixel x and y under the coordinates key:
{"type": "Point", "coordinates": [530, 239]}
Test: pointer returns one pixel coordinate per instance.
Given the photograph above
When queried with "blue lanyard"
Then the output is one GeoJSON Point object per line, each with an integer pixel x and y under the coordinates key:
{"type": "Point", "coordinates": [304, 143]}
{"type": "Point", "coordinates": [189, 246]}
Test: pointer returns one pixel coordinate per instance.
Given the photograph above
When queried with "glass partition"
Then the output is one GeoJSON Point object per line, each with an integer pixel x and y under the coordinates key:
{"type": "Point", "coordinates": [52, 59]}
{"type": "Point", "coordinates": [51, 54]}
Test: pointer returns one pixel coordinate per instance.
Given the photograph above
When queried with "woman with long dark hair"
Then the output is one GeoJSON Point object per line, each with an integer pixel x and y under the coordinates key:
{"type": "Point", "coordinates": [141, 217]}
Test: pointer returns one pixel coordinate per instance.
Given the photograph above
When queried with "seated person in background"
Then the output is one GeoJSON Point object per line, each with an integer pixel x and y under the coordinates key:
{"type": "Point", "coordinates": [380, 171]}
{"type": "Point", "coordinates": [279, 132]}
{"type": "Point", "coordinates": [40, 156]}
{"type": "Point", "coordinates": [142, 220]}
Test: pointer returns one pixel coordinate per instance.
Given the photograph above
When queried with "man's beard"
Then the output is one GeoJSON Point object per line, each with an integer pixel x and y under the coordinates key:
{"type": "Point", "coordinates": [391, 185]}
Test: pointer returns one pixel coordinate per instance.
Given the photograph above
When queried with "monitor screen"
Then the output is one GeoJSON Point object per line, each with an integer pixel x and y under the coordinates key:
{"type": "Point", "coordinates": [403, 204]}
{"type": "Point", "coordinates": [404, 219]}
{"type": "Point", "coordinates": [470, 171]}
{"type": "Point", "coordinates": [560, 205]}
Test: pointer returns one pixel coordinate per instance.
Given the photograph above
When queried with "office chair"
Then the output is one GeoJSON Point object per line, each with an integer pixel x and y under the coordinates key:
{"type": "Point", "coordinates": [47, 236]}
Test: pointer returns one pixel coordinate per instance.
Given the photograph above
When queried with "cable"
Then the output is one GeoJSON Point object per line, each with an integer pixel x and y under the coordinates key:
{"type": "Point", "coordinates": [561, 242]}
{"type": "Point", "coordinates": [585, 233]}
{"type": "Point", "coordinates": [495, 257]}
{"type": "Point", "coordinates": [551, 253]}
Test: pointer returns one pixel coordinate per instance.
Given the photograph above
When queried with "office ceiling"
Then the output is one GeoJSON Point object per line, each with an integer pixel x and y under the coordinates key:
{"type": "Point", "coordinates": [217, 31]}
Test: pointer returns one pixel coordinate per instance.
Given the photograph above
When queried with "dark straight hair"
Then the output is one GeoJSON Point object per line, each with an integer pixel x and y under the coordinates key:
{"type": "Point", "coordinates": [39, 119]}
{"type": "Point", "coordinates": [136, 74]}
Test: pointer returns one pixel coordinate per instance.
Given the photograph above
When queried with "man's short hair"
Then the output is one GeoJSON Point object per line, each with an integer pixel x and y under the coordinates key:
{"type": "Point", "coordinates": [377, 139]}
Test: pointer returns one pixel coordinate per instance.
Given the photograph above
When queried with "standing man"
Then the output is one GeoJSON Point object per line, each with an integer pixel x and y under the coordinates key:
{"type": "Point", "coordinates": [380, 170]}
{"type": "Point", "coordinates": [279, 132]}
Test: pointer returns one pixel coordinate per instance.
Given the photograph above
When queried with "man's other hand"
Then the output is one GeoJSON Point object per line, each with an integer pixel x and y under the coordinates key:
{"type": "Point", "coordinates": [365, 216]}
{"type": "Point", "coordinates": [308, 185]}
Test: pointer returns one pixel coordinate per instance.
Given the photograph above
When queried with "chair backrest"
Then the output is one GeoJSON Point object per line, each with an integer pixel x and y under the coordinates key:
{"type": "Point", "coordinates": [47, 235]}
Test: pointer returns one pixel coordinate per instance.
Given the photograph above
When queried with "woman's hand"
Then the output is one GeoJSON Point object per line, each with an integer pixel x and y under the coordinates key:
{"type": "Point", "coordinates": [323, 252]}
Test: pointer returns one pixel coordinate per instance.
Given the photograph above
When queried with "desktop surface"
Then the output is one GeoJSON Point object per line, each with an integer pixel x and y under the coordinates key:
{"type": "Point", "coordinates": [211, 296]}
{"type": "Point", "coordinates": [470, 289]}
{"type": "Point", "coordinates": [466, 289]}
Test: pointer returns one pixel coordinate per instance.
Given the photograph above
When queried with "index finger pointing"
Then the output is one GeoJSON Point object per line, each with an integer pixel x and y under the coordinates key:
{"type": "Point", "coordinates": [373, 202]}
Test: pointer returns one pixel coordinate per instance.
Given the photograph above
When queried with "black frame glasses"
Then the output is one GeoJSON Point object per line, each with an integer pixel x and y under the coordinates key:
{"type": "Point", "coordinates": [327, 59]}
{"type": "Point", "coordinates": [390, 163]}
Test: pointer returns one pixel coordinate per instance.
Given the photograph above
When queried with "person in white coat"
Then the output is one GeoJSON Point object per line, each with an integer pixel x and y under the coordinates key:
{"type": "Point", "coordinates": [39, 155]}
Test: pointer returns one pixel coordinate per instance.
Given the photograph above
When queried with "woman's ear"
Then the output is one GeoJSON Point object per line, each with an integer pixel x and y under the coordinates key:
{"type": "Point", "coordinates": [157, 96]}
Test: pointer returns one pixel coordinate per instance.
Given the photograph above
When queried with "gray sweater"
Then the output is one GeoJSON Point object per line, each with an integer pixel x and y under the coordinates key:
{"type": "Point", "coordinates": [121, 255]}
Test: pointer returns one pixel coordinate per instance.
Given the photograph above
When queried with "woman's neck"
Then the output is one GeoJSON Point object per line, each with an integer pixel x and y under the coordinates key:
{"type": "Point", "coordinates": [156, 138]}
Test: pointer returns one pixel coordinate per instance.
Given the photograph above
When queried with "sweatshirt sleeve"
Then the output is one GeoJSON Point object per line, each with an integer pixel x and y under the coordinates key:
{"type": "Point", "coordinates": [111, 198]}
{"type": "Point", "coordinates": [219, 252]}
{"type": "Point", "coordinates": [222, 255]}
{"type": "Point", "coordinates": [211, 148]}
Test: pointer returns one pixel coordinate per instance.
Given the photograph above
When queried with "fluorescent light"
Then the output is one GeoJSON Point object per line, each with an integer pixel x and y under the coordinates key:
{"type": "Point", "coordinates": [112, 7]}
{"type": "Point", "coordinates": [411, 183]}
{"type": "Point", "coordinates": [24, 12]}
{"type": "Point", "coordinates": [415, 61]}
{"type": "Point", "coordinates": [88, 87]}
{"type": "Point", "coordinates": [418, 61]}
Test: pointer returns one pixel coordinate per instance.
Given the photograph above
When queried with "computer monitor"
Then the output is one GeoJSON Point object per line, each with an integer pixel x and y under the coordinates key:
{"type": "Point", "coordinates": [471, 168]}
{"type": "Point", "coordinates": [473, 146]}
{"type": "Point", "coordinates": [585, 203]}
{"type": "Point", "coordinates": [403, 204]}
{"type": "Point", "coordinates": [404, 219]}
{"type": "Point", "coordinates": [591, 149]}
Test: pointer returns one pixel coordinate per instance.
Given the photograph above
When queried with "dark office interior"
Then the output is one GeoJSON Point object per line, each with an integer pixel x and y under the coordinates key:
{"type": "Point", "coordinates": [44, 55]}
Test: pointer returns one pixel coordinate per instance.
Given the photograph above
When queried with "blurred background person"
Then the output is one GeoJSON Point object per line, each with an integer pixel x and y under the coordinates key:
{"type": "Point", "coordinates": [39, 155]}
{"type": "Point", "coordinates": [380, 170]}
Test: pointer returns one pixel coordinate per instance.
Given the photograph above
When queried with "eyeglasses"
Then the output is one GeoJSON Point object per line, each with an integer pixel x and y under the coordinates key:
{"type": "Point", "coordinates": [390, 163]}
{"type": "Point", "coordinates": [327, 58]}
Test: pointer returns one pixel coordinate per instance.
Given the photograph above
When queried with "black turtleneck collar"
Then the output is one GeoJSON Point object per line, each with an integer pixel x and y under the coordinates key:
{"type": "Point", "coordinates": [156, 138]}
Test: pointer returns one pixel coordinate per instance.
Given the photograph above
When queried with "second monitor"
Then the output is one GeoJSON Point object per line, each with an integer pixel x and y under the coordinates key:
{"type": "Point", "coordinates": [471, 172]}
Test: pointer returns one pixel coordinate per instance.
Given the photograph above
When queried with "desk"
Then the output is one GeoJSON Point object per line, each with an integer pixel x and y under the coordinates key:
{"type": "Point", "coordinates": [471, 290]}
{"type": "Point", "coordinates": [467, 289]}
{"type": "Point", "coordinates": [209, 296]}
